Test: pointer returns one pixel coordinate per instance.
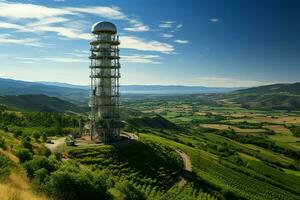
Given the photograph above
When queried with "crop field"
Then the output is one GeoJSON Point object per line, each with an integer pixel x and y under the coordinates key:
{"type": "Point", "coordinates": [252, 153]}
{"type": "Point", "coordinates": [230, 127]}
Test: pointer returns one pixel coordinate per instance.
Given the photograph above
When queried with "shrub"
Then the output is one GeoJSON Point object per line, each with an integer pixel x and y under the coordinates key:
{"type": "Point", "coordinates": [71, 183]}
{"type": "Point", "coordinates": [40, 177]}
{"type": "Point", "coordinates": [36, 135]}
{"type": "Point", "coordinates": [129, 191]}
{"type": "Point", "coordinates": [40, 162]}
{"type": "Point", "coordinates": [26, 143]}
{"type": "Point", "coordinates": [24, 155]}
{"type": "Point", "coordinates": [45, 152]}
{"type": "Point", "coordinates": [17, 133]}
{"type": "Point", "coordinates": [5, 166]}
{"type": "Point", "coordinates": [2, 143]}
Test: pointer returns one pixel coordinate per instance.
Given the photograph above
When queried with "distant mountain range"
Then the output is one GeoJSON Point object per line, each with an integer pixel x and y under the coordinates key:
{"type": "Point", "coordinates": [77, 93]}
{"type": "Point", "coordinates": [60, 97]}
{"type": "Point", "coordinates": [155, 89]}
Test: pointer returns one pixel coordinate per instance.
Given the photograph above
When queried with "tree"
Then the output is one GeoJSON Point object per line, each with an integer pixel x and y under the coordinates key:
{"type": "Point", "coordinates": [71, 183]}
{"type": "Point", "coordinates": [36, 135]}
{"type": "Point", "coordinates": [39, 162]}
{"type": "Point", "coordinates": [26, 143]}
{"type": "Point", "coordinates": [24, 155]}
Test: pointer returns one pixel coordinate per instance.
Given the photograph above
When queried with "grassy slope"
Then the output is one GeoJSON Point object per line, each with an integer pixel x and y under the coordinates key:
{"type": "Point", "coordinates": [278, 96]}
{"type": "Point", "coordinates": [37, 103]}
{"type": "Point", "coordinates": [220, 172]}
{"type": "Point", "coordinates": [16, 186]}
{"type": "Point", "coordinates": [208, 167]}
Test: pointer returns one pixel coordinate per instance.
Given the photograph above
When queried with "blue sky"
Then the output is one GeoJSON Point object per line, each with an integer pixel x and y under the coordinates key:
{"type": "Point", "coordinates": [169, 42]}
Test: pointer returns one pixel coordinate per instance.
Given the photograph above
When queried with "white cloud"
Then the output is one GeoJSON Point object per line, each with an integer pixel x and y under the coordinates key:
{"type": "Point", "coordinates": [166, 24]}
{"type": "Point", "coordinates": [59, 0]}
{"type": "Point", "coordinates": [165, 35]}
{"type": "Point", "coordinates": [41, 19]}
{"type": "Point", "coordinates": [47, 21]}
{"type": "Point", "coordinates": [138, 58]}
{"type": "Point", "coordinates": [181, 41]}
{"type": "Point", "coordinates": [29, 11]}
{"type": "Point", "coordinates": [130, 42]}
{"type": "Point", "coordinates": [79, 55]}
{"type": "Point", "coordinates": [27, 59]}
{"type": "Point", "coordinates": [101, 11]}
{"type": "Point", "coordinates": [137, 26]}
{"type": "Point", "coordinates": [179, 26]}
{"type": "Point", "coordinates": [52, 59]}
{"type": "Point", "coordinates": [63, 31]}
{"type": "Point", "coordinates": [226, 82]}
{"type": "Point", "coordinates": [6, 25]}
{"type": "Point", "coordinates": [66, 60]}
{"type": "Point", "coordinates": [7, 39]}
{"type": "Point", "coordinates": [214, 20]}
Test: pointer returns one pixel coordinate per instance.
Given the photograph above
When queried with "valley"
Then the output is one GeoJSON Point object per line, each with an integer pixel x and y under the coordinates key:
{"type": "Point", "coordinates": [233, 152]}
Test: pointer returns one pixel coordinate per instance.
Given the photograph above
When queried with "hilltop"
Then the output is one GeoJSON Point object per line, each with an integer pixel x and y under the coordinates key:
{"type": "Point", "coordinates": [276, 96]}
{"type": "Point", "coordinates": [283, 88]}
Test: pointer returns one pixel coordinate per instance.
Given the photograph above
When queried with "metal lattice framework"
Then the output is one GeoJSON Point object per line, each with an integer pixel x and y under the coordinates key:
{"type": "Point", "coordinates": [105, 67]}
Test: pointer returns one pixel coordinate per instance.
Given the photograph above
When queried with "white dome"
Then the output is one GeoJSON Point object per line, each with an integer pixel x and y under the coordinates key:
{"type": "Point", "coordinates": [101, 27]}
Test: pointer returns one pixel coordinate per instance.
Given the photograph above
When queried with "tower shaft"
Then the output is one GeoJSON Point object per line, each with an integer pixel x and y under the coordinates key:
{"type": "Point", "coordinates": [104, 99]}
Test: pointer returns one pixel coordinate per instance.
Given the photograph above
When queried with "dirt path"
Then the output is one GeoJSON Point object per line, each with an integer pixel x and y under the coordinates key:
{"type": "Point", "coordinates": [187, 166]}
{"type": "Point", "coordinates": [57, 142]}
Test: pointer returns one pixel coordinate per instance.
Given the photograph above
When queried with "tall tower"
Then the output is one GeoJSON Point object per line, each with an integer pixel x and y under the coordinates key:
{"type": "Point", "coordinates": [104, 99]}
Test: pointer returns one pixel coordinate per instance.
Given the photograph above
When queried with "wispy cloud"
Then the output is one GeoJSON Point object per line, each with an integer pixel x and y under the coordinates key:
{"type": "Point", "coordinates": [30, 11]}
{"type": "Point", "coordinates": [181, 41]}
{"type": "Point", "coordinates": [7, 25]}
{"type": "Point", "coordinates": [7, 39]}
{"type": "Point", "coordinates": [166, 35]}
{"type": "Point", "coordinates": [131, 42]}
{"type": "Point", "coordinates": [166, 24]}
{"type": "Point", "coordinates": [101, 11]}
{"type": "Point", "coordinates": [42, 19]}
{"type": "Point", "coordinates": [66, 60]}
{"type": "Point", "coordinates": [215, 20]}
{"type": "Point", "coordinates": [137, 26]}
{"type": "Point", "coordinates": [178, 27]}
{"type": "Point", "coordinates": [138, 58]}
{"type": "Point", "coordinates": [52, 59]}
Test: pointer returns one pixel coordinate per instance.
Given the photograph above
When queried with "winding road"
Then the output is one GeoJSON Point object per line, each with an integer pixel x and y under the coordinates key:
{"type": "Point", "coordinates": [187, 166]}
{"type": "Point", "coordinates": [56, 143]}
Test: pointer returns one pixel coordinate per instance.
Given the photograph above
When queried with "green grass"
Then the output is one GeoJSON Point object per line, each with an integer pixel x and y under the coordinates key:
{"type": "Point", "coordinates": [293, 172]}
{"type": "Point", "coordinates": [208, 167]}
{"type": "Point", "coordinates": [143, 162]}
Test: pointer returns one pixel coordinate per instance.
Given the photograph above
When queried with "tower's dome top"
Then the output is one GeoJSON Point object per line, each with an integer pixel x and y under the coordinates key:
{"type": "Point", "coordinates": [101, 27]}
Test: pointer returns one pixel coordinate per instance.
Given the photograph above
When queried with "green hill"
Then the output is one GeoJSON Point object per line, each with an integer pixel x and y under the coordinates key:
{"type": "Point", "coordinates": [153, 121]}
{"type": "Point", "coordinates": [16, 87]}
{"type": "Point", "coordinates": [277, 96]}
{"type": "Point", "coordinates": [291, 89]}
{"type": "Point", "coordinates": [40, 103]}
